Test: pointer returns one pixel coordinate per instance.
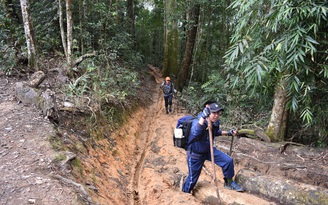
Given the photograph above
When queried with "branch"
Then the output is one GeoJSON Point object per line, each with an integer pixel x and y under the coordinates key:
{"type": "Point", "coordinates": [256, 132]}
{"type": "Point", "coordinates": [81, 58]}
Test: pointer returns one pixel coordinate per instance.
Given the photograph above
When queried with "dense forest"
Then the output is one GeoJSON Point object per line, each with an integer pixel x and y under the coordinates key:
{"type": "Point", "coordinates": [265, 61]}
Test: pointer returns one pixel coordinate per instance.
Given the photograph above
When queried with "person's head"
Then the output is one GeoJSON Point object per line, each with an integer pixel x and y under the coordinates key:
{"type": "Point", "coordinates": [167, 79]}
{"type": "Point", "coordinates": [207, 103]}
{"type": "Point", "coordinates": [216, 111]}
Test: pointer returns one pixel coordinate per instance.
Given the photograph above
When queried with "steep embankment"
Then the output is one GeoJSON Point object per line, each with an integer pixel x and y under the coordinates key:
{"type": "Point", "coordinates": [145, 168]}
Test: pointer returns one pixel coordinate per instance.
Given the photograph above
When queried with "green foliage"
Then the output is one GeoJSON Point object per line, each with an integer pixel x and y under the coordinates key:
{"type": "Point", "coordinates": [12, 39]}
{"type": "Point", "coordinates": [190, 97]}
{"type": "Point", "coordinates": [122, 43]}
{"type": "Point", "coordinates": [45, 22]}
{"type": "Point", "coordinates": [104, 84]}
{"type": "Point", "coordinates": [77, 167]}
{"type": "Point", "coordinates": [215, 87]}
{"type": "Point", "coordinates": [56, 143]}
{"type": "Point", "coordinates": [307, 115]}
{"type": "Point", "coordinates": [8, 59]}
{"type": "Point", "coordinates": [272, 40]}
{"type": "Point", "coordinates": [107, 88]}
{"type": "Point", "coordinates": [276, 40]}
{"type": "Point", "coordinates": [60, 157]}
{"type": "Point", "coordinates": [149, 33]}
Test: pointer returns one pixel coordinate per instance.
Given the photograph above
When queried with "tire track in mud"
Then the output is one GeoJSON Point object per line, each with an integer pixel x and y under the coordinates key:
{"type": "Point", "coordinates": [149, 122]}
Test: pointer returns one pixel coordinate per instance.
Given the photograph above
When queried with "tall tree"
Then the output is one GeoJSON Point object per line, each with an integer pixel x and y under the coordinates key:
{"type": "Point", "coordinates": [69, 32]}
{"type": "Point", "coordinates": [131, 17]}
{"type": "Point", "coordinates": [61, 26]}
{"type": "Point", "coordinates": [171, 44]}
{"type": "Point", "coordinates": [279, 119]}
{"type": "Point", "coordinates": [29, 35]}
{"type": "Point", "coordinates": [81, 21]}
{"type": "Point", "coordinates": [191, 28]}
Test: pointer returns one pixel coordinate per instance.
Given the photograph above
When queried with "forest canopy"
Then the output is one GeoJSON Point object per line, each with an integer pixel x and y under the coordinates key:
{"type": "Point", "coordinates": [264, 61]}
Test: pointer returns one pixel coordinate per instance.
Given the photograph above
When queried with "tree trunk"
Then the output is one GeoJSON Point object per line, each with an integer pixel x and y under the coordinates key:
{"type": "Point", "coordinates": [81, 18]}
{"type": "Point", "coordinates": [276, 129]}
{"type": "Point", "coordinates": [131, 19]}
{"type": "Point", "coordinates": [227, 25]}
{"type": "Point", "coordinates": [62, 32]}
{"type": "Point", "coordinates": [28, 93]}
{"type": "Point", "coordinates": [171, 44]}
{"type": "Point", "coordinates": [69, 32]}
{"type": "Point", "coordinates": [29, 35]}
{"type": "Point", "coordinates": [190, 42]}
{"type": "Point", "coordinates": [282, 190]}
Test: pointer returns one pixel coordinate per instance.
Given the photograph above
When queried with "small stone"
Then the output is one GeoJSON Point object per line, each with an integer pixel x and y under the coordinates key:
{"type": "Point", "coordinates": [38, 180]}
{"type": "Point", "coordinates": [8, 128]}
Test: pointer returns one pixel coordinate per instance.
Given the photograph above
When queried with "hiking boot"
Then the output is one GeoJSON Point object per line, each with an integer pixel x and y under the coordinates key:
{"type": "Point", "coordinates": [170, 110]}
{"type": "Point", "coordinates": [233, 186]}
{"type": "Point", "coordinates": [167, 112]}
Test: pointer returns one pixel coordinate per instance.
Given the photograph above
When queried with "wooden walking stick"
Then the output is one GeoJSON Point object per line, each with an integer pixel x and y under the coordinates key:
{"type": "Point", "coordinates": [230, 151]}
{"type": "Point", "coordinates": [231, 145]}
{"type": "Point", "coordinates": [212, 159]}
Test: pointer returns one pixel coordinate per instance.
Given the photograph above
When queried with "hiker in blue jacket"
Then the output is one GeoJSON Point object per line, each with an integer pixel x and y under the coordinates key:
{"type": "Point", "coordinates": [199, 149]}
{"type": "Point", "coordinates": [168, 89]}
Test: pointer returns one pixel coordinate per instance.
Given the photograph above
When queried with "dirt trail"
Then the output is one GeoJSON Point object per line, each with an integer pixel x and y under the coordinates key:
{"type": "Point", "coordinates": [26, 155]}
{"type": "Point", "coordinates": [160, 166]}
{"type": "Point", "coordinates": [136, 164]}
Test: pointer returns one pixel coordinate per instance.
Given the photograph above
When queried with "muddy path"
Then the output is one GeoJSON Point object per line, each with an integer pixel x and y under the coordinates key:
{"type": "Point", "coordinates": [26, 156]}
{"type": "Point", "coordinates": [157, 166]}
{"type": "Point", "coordinates": [146, 141]}
{"type": "Point", "coordinates": [134, 165]}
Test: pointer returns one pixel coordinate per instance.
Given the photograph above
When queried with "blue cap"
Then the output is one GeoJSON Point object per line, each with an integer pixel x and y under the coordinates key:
{"type": "Point", "coordinates": [214, 107]}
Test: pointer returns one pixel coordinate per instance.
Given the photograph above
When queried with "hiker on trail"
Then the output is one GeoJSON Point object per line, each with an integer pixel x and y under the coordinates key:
{"type": "Point", "coordinates": [168, 89]}
{"type": "Point", "coordinates": [199, 150]}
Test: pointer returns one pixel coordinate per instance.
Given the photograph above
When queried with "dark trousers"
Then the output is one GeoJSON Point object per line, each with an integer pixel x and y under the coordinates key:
{"type": "Point", "coordinates": [196, 161]}
{"type": "Point", "coordinates": [168, 100]}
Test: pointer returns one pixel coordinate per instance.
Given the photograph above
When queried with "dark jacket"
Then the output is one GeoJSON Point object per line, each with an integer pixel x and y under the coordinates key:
{"type": "Point", "coordinates": [199, 141]}
{"type": "Point", "coordinates": [168, 89]}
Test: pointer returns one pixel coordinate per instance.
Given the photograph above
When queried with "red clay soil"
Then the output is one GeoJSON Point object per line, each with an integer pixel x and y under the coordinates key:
{"type": "Point", "coordinates": [137, 164]}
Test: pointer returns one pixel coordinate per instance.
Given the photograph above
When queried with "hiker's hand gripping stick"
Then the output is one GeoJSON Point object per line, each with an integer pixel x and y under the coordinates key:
{"type": "Point", "coordinates": [205, 113]}
{"type": "Point", "coordinates": [231, 132]}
